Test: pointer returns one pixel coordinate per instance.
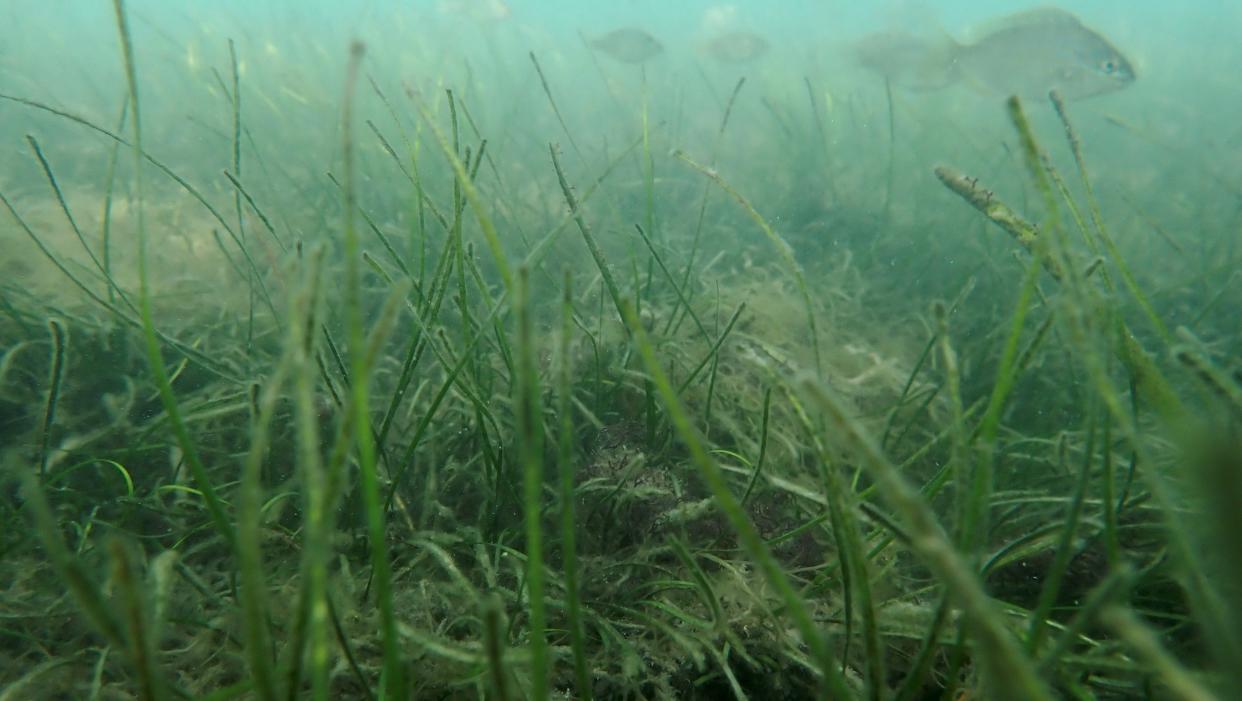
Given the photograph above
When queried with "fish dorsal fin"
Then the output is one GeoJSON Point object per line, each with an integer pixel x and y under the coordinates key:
{"type": "Point", "coordinates": [1047, 16]}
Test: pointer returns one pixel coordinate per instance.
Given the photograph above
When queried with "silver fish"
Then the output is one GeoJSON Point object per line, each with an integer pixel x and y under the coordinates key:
{"type": "Point", "coordinates": [1032, 53]}
{"type": "Point", "coordinates": [736, 47]}
{"type": "Point", "coordinates": [1027, 54]}
{"type": "Point", "coordinates": [628, 45]}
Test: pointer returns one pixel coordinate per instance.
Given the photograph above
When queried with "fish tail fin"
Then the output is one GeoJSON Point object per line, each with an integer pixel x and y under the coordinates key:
{"type": "Point", "coordinates": [915, 61]}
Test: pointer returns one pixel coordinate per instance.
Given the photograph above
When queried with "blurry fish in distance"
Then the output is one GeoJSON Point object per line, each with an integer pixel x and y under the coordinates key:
{"type": "Point", "coordinates": [1028, 54]}
{"type": "Point", "coordinates": [1046, 49]}
{"type": "Point", "coordinates": [477, 10]}
{"type": "Point", "coordinates": [628, 45]}
{"type": "Point", "coordinates": [736, 47]}
{"type": "Point", "coordinates": [908, 60]}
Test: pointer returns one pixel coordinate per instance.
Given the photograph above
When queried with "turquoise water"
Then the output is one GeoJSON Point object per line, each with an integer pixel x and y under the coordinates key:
{"type": "Point", "coordinates": [66, 52]}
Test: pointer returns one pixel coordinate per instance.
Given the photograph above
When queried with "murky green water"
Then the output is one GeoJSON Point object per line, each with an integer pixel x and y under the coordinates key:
{"type": "Point", "coordinates": [510, 349]}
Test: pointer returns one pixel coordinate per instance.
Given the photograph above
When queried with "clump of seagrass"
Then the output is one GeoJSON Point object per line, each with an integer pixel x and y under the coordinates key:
{"type": "Point", "coordinates": [1095, 327]}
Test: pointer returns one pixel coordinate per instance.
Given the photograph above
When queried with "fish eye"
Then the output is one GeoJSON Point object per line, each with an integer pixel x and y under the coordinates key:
{"type": "Point", "coordinates": [1109, 66]}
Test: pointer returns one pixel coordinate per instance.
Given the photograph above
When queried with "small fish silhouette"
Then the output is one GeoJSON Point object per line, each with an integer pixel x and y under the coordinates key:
{"type": "Point", "coordinates": [628, 45]}
{"type": "Point", "coordinates": [1028, 54]}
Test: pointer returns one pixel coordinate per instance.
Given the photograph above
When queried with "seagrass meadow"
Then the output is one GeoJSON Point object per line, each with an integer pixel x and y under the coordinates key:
{"type": "Point", "coordinates": [435, 352]}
